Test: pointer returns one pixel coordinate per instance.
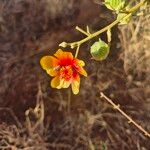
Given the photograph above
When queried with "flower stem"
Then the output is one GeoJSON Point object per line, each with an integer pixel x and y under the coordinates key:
{"type": "Point", "coordinates": [77, 51]}
{"type": "Point", "coordinates": [69, 100]}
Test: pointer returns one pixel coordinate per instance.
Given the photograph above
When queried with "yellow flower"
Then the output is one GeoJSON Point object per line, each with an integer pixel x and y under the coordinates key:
{"type": "Point", "coordinates": [65, 69]}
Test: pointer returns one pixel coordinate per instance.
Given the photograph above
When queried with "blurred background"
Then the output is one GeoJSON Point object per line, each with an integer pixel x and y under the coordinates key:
{"type": "Point", "coordinates": [30, 29]}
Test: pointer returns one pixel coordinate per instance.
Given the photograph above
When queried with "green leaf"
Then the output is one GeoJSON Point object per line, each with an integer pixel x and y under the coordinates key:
{"type": "Point", "coordinates": [99, 50]}
{"type": "Point", "coordinates": [115, 4]}
{"type": "Point", "coordinates": [125, 20]}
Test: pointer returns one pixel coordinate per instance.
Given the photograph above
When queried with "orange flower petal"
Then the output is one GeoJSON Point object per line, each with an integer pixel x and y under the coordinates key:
{"type": "Point", "coordinates": [75, 85]}
{"type": "Point", "coordinates": [68, 55]}
{"type": "Point", "coordinates": [80, 62]}
{"type": "Point", "coordinates": [55, 82]}
{"type": "Point", "coordinates": [60, 86]}
{"type": "Point", "coordinates": [82, 71]}
{"type": "Point", "coordinates": [63, 55]}
{"type": "Point", "coordinates": [48, 62]}
{"type": "Point", "coordinates": [66, 84]}
{"type": "Point", "coordinates": [52, 72]}
{"type": "Point", "coordinates": [59, 53]}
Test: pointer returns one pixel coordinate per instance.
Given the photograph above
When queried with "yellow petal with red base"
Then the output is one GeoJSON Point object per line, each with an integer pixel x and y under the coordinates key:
{"type": "Point", "coordinates": [63, 84]}
{"type": "Point", "coordinates": [68, 55]}
{"type": "Point", "coordinates": [82, 71]}
{"type": "Point", "coordinates": [52, 72]}
{"type": "Point", "coordinates": [63, 55]}
{"type": "Point", "coordinates": [66, 84]}
{"type": "Point", "coordinates": [75, 85]}
{"type": "Point", "coordinates": [60, 86]}
{"type": "Point", "coordinates": [48, 62]}
{"type": "Point", "coordinates": [55, 82]}
{"type": "Point", "coordinates": [80, 62]}
{"type": "Point", "coordinates": [59, 53]}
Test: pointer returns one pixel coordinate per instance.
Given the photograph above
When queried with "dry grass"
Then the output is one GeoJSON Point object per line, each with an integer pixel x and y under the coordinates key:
{"type": "Point", "coordinates": [136, 56]}
{"type": "Point", "coordinates": [89, 123]}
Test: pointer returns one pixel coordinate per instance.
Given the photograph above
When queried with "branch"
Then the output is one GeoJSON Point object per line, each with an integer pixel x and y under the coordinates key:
{"type": "Point", "coordinates": [91, 36]}
{"type": "Point", "coordinates": [130, 120]}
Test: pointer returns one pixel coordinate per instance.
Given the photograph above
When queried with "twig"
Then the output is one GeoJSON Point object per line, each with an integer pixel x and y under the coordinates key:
{"type": "Point", "coordinates": [91, 146]}
{"type": "Point", "coordinates": [88, 30]}
{"type": "Point", "coordinates": [13, 115]}
{"type": "Point", "coordinates": [38, 111]}
{"type": "Point", "coordinates": [130, 120]}
{"type": "Point", "coordinates": [77, 51]}
{"type": "Point", "coordinates": [82, 31]}
{"type": "Point", "coordinates": [91, 36]}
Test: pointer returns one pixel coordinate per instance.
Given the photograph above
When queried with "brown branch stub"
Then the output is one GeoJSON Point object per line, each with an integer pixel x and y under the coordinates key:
{"type": "Point", "coordinates": [130, 120]}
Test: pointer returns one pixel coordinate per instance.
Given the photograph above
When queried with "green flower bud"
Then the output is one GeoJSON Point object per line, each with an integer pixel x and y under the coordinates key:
{"type": "Point", "coordinates": [99, 50]}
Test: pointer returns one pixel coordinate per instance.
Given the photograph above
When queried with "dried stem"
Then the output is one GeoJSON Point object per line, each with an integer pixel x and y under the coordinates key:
{"type": "Point", "coordinates": [38, 112]}
{"type": "Point", "coordinates": [9, 110]}
{"type": "Point", "coordinates": [130, 120]}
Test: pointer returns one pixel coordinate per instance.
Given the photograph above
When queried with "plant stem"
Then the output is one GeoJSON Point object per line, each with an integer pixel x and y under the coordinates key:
{"type": "Point", "coordinates": [82, 31]}
{"type": "Point", "coordinates": [77, 51]}
{"type": "Point", "coordinates": [130, 120]}
{"type": "Point", "coordinates": [90, 36]}
{"type": "Point", "coordinates": [69, 100]}
{"type": "Point", "coordinates": [134, 8]}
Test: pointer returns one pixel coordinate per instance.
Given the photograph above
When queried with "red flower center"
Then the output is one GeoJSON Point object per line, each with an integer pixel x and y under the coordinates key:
{"type": "Point", "coordinates": [66, 72]}
{"type": "Point", "coordinates": [66, 62]}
